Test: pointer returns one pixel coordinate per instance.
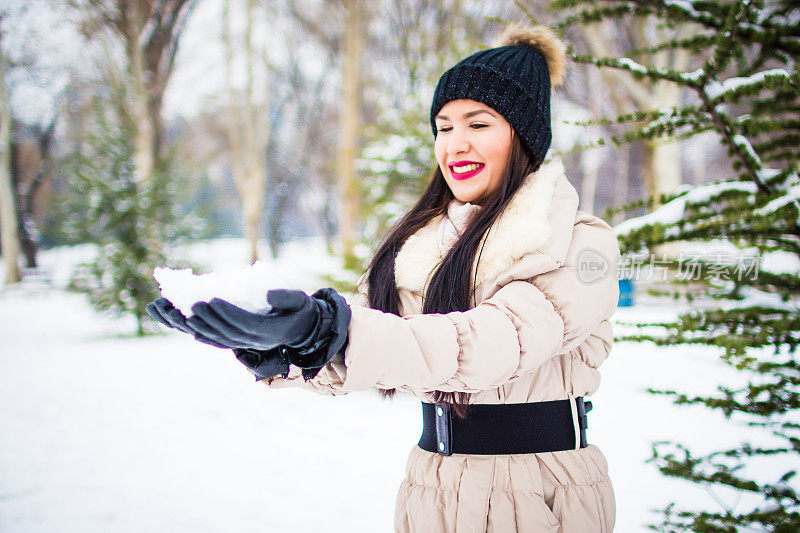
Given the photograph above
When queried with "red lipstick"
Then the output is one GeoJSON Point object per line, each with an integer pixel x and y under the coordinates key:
{"type": "Point", "coordinates": [464, 175]}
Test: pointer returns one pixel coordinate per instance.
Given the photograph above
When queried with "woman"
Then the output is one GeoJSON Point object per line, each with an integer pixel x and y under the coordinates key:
{"type": "Point", "coordinates": [489, 301]}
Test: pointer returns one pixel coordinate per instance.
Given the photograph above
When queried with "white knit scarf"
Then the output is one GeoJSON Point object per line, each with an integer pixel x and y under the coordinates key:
{"type": "Point", "coordinates": [452, 226]}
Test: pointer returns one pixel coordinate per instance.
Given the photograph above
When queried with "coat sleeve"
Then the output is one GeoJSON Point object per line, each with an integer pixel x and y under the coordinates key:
{"type": "Point", "coordinates": [516, 330]}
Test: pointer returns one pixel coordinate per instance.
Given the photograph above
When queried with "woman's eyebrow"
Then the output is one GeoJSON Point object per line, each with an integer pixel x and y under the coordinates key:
{"type": "Point", "coordinates": [467, 115]}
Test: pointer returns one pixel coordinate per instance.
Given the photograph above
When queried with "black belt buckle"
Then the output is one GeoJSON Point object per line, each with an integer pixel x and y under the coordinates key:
{"type": "Point", "coordinates": [583, 407]}
{"type": "Point", "coordinates": [444, 432]}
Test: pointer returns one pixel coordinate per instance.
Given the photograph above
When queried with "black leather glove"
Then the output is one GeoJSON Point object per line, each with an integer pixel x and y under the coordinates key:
{"type": "Point", "coordinates": [310, 329]}
{"type": "Point", "coordinates": [264, 363]}
{"type": "Point", "coordinates": [163, 312]}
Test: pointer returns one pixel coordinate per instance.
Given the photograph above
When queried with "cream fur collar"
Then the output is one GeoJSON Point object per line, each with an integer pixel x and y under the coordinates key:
{"type": "Point", "coordinates": [521, 228]}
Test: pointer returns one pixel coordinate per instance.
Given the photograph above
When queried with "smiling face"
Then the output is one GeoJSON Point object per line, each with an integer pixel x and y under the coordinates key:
{"type": "Point", "coordinates": [472, 145]}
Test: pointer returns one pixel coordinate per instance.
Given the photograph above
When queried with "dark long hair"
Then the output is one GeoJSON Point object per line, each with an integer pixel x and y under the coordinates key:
{"type": "Point", "coordinates": [449, 289]}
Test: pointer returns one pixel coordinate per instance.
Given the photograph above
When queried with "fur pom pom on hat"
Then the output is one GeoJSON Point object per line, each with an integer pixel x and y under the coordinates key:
{"type": "Point", "coordinates": [543, 39]}
{"type": "Point", "coordinates": [514, 78]}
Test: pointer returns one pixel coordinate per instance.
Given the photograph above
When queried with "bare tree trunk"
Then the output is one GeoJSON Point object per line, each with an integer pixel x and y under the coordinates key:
{"type": "Point", "coordinates": [663, 170]}
{"type": "Point", "coordinates": [248, 131]}
{"type": "Point", "coordinates": [590, 161]}
{"type": "Point", "coordinates": [9, 235]}
{"type": "Point", "coordinates": [622, 179]}
{"type": "Point", "coordinates": [144, 158]}
{"type": "Point", "coordinates": [256, 130]}
{"type": "Point", "coordinates": [30, 168]}
{"type": "Point", "coordinates": [234, 112]}
{"type": "Point", "coordinates": [665, 155]}
{"type": "Point", "coordinates": [350, 202]}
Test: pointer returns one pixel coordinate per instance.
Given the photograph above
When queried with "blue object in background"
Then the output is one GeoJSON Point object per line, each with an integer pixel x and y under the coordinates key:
{"type": "Point", "coordinates": [625, 293]}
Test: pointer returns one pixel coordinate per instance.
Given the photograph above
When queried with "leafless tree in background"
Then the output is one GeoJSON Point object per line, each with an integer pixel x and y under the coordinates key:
{"type": "Point", "coordinates": [350, 120]}
{"type": "Point", "coordinates": [301, 158]}
{"type": "Point", "coordinates": [9, 236]}
{"type": "Point", "coordinates": [31, 161]}
{"type": "Point", "coordinates": [248, 124]}
{"type": "Point", "coordinates": [149, 31]}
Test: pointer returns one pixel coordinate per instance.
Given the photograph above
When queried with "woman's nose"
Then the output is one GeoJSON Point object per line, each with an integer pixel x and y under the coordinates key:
{"type": "Point", "coordinates": [458, 142]}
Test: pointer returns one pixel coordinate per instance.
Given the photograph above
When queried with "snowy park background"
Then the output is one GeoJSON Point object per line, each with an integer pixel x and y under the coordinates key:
{"type": "Point", "coordinates": [103, 431]}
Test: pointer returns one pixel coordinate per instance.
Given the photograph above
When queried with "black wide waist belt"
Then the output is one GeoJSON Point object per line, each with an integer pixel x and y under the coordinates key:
{"type": "Point", "coordinates": [498, 429]}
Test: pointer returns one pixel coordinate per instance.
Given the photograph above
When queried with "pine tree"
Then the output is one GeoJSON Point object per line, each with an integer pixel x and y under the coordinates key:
{"type": "Point", "coordinates": [127, 219]}
{"type": "Point", "coordinates": [747, 91]}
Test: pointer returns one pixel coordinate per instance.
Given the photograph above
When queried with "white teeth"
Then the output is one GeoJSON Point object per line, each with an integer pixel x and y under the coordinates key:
{"type": "Point", "coordinates": [466, 168]}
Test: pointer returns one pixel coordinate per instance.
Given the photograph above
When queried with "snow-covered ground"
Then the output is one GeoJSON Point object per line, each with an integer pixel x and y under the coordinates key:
{"type": "Point", "coordinates": [103, 431]}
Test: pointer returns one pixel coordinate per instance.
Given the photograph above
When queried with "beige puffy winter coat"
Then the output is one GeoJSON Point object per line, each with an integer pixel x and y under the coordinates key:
{"type": "Point", "coordinates": [546, 287]}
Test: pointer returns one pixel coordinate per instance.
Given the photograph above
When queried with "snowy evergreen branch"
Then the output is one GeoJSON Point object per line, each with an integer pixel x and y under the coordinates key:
{"type": "Point", "coordinates": [746, 84]}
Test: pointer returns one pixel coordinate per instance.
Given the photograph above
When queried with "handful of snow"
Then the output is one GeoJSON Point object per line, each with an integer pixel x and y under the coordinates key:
{"type": "Point", "coordinates": [245, 287]}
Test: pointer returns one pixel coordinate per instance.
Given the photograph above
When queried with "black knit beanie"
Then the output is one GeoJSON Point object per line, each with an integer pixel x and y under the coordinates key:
{"type": "Point", "coordinates": [514, 79]}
